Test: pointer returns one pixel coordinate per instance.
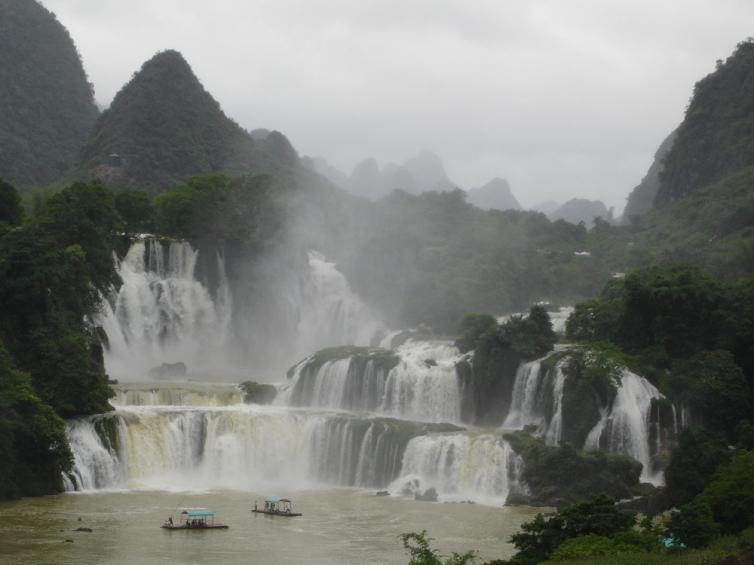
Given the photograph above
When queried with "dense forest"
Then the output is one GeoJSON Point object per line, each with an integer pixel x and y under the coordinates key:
{"type": "Point", "coordinates": [43, 81]}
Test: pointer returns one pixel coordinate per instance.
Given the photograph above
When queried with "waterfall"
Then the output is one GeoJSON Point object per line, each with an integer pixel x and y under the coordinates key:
{"type": "Point", "coordinates": [460, 466]}
{"type": "Point", "coordinates": [528, 400]}
{"type": "Point", "coordinates": [162, 313]}
{"type": "Point", "coordinates": [186, 394]}
{"type": "Point", "coordinates": [422, 386]}
{"type": "Point", "coordinates": [324, 311]}
{"type": "Point", "coordinates": [555, 429]}
{"type": "Point", "coordinates": [525, 407]}
{"type": "Point", "coordinates": [625, 426]}
{"type": "Point", "coordinates": [240, 447]}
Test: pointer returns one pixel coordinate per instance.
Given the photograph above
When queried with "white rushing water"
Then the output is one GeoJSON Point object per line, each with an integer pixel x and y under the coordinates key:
{"type": "Point", "coordinates": [423, 385]}
{"type": "Point", "coordinates": [162, 313]}
{"type": "Point", "coordinates": [324, 311]}
{"type": "Point", "coordinates": [252, 447]}
{"type": "Point", "coordinates": [625, 428]}
{"type": "Point", "coordinates": [532, 389]}
{"type": "Point", "coordinates": [460, 466]}
{"type": "Point", "coordinates": [186, 394]}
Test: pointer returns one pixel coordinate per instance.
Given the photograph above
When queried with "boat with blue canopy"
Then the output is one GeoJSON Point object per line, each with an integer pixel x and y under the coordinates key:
{"type": "Point", "coordinates": [276, 507]}
{"type": "Point", "coordinates": [193, 519]}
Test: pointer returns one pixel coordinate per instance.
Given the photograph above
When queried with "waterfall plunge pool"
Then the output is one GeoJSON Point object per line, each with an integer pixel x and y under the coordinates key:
{"type": "Point", "coordinates": [339, 526]}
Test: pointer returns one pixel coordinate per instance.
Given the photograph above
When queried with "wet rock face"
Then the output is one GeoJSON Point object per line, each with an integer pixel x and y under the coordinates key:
{"type": "Point", "coordinates": [168, 371]}
{"type": "Point", "coordinates": [429, 495]}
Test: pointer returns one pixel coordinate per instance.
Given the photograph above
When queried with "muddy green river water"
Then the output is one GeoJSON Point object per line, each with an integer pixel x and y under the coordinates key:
{"type": "Point", "coordinates": [340, 526]}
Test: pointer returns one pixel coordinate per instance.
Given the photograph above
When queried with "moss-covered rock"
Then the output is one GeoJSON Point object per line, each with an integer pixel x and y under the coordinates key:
{"type": "Point", "coordinates": [258, 393]}
{"type": "Point", "coordinates": [560, 475]}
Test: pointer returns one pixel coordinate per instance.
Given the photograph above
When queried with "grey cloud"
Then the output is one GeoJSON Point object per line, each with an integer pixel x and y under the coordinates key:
{"type": "Point", "coordinates": [561, 98]}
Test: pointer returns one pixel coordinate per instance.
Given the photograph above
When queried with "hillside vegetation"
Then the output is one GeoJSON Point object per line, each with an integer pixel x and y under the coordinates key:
{"type": "Point", "coordinates": [46, 100]}
{"type": "Point", "coordinates": [715, 138]}
{"type": "Point", "coordinates": [163, 127]}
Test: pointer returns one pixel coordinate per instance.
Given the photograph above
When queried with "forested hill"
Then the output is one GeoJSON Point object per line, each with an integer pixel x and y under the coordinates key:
{"type": "Point", "coordinates": [46, 100]}
{"type": "Point", "coordinates": [642, 197]}
{"type": "Point", "coordinates": [163, 127]}
{"type": "Point", "coordinates": [716, 138]}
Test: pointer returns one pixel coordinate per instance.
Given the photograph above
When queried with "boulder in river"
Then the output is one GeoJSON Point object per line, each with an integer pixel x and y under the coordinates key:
{"type": "Point", "coordinates": [168, 371]}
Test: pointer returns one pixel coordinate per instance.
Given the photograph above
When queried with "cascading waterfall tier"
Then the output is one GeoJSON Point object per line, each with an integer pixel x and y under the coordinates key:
{"type": "Point", "coordinates": [626, 424]}
{"type": "Point", "coordinates": [462, 466]}
{"type": "Point", "coordinates": [251, 447]}
{"type": "Point", "coordinates": [537, 400]}
{"type": "Point", "coordinates": [238, 447]}
{"type": "Point", "coordinates": [162, 313]}
{"type": "Point", "coordinates": [184, 394]}
{"type": "Point", "coordinates": [418, 381]}
{"type": "Point", "coordinates": [324, 311]}
{"type": "Point", "coordinates": [625, 427]}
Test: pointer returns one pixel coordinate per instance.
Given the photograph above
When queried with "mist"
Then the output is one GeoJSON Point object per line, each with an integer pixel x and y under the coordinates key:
{"type": "Point", "coordinates": [563, 101]}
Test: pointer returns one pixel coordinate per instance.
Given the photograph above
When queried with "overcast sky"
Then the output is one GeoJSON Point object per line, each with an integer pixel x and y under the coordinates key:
{"type": "Point", "coordinates": [563, 98]}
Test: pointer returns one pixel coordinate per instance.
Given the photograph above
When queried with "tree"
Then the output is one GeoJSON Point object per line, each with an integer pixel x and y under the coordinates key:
{"type": "Point", "coordinates": [33, 446]}
{"type": "Point", "coordinates": [84, 214]}
{"type": "Point", "coordinates": [473, 329]}
{"type": "Point", "coordinates": [11, 209]}
{"type": "Point", "coordinates": [730, 495]}
{"type": "Point", "coordinates": [717, 391]}
{"type": "Point", "coordinates": [694, 525]}
{"type": "Point", "coordinates": [135, 209]}
{"type": "Point", "coordinates": [692, 464]}
{"type": "Point", "coordinates": [540, 537]}
{"type": "Point", "coordinates": [417, 545]}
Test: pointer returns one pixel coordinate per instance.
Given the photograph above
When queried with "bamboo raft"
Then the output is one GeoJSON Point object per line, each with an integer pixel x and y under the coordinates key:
{"type": "Point", "coordinates": [275, 506]}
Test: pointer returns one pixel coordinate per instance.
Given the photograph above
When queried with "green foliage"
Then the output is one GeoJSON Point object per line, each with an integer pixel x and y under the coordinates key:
{"type": "Point", "coordinates": [671, 309]}
{"type": "Point", "coordinates": [715, 388]}
{"type": "Point", "coordinates": [453, 258]}
{"type": "Point", "coordinates": [692, 464]}
{"type": "Point", "coordinates": [730, 495]}
{"type": "Point", "coordinates": [48, 105]}
{"type": "Point", "coordinates": [84, 214]}
{"type": "Point", "coordinates": [165, 127]}
{"type": "Point", "coordinates": [596, 546]}
{"type": "Point", "coordinates": [715, 138]}
{"type": "Point", "coordinates": [474, 329]}
{"type": "Point", "coordinates": [498, 351]}
{"type": "Point", "coordinates": [11, 209]}
{"type": "Point", "coordinates": [688, 331]}
{"type": "Point", "coordinates": [33, 445]}
{"type": "Point", "coordinates": [244, 211]}
{"type": "Point", "coordinates": [52, 271]}
{"type": "Point", "coordinates": [693, 525]}
{"type": "Point", "coordinates": [594, 320]}
{"type": "Point", "coordinates": [417, 545]}
{"type": "Point", "coordinates": [602, 365]}
{"type": "Point", "coordinates": [562, 475]}
{"type": "Point", "coordinates": [135, 209]}
{"type": "Point", "coordinates": [539, 538]}
{"type": "Point", "coordinates": [529, 337]}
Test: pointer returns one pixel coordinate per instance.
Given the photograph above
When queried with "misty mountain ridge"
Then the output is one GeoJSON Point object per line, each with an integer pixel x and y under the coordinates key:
{"type": "Point", "coordinates": [163, 127]}
{"type": "Point", "coordinates": [495, 195]}
{"type": "Point", "coordinates": [715, 138]}
{"type": "Point", "coordinates": [421, 173]}
{"type": "Point", "coordinates": [581, 210]}
{"type": "Point", "coordinates": [642, 197]}
{"type": "Point", "coordinates": [46, 99]}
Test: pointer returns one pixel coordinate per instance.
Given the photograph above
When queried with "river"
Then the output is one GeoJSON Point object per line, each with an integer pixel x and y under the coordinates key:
{"type": "Point", "coordinates": [338, 526]}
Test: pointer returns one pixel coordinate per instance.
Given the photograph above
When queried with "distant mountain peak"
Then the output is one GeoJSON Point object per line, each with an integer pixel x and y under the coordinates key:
{"type": "Point", "coordinates": [46, 102]}
{"type": "Point", "coordinates": [494, 195]}
{"type": "Point", "coordinates": [164, 126]}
